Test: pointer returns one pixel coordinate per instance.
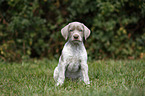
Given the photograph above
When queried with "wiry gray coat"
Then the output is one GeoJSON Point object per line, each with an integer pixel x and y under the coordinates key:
{"type": "Point", "coordinates": [73, 60]}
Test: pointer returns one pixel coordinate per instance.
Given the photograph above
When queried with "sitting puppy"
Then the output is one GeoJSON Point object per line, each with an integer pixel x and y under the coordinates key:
{"type": "Point", "coordinates": [73, 60]}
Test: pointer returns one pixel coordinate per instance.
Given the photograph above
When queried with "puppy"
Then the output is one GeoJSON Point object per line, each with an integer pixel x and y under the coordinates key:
{"type": "Point", "coordinates": [73, 60]}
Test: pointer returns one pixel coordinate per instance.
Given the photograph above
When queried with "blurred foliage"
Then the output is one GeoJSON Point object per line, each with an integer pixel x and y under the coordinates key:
{"type": "Point", "coordinates": [31, 28]}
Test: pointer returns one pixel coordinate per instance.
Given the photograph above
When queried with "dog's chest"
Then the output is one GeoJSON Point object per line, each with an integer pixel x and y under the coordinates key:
{"type": "Point", "coordinates": [73, 55]}
{"type": "Point", "coordinates": [73, 65]}
{"type": "Point", "coordinates": [73, 61]}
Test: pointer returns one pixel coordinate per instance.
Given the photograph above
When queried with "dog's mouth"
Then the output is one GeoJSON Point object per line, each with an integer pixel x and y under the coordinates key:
{"type": "Point", "coordinates": [76, 41]}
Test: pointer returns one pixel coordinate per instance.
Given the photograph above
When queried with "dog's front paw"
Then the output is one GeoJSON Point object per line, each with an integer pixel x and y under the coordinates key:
{"type": "Point", "coordinates": [88, 82]}
{"type": "Point", "coordinates": [59, 83]}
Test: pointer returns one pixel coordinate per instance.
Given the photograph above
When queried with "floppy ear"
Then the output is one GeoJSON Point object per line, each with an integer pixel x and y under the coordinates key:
{"type": "Point", "coordinates": [64, 31]}
{"type": "Point", "coordinates": [86, 32]}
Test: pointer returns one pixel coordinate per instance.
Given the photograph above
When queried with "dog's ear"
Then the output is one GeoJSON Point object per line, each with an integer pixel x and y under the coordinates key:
{"type": "Point", "coordinates": [64, 31]}
{"type": "Point", "coordinates": [86, 32]}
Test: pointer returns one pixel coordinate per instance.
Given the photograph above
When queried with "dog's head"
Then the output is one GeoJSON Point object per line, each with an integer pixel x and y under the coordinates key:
{"type": "Point", "coordinates": [75, 31]}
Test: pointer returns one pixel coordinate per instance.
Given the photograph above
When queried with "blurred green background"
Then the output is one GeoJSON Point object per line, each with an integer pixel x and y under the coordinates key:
{"type": "Point", "coordinates": [31, 28]}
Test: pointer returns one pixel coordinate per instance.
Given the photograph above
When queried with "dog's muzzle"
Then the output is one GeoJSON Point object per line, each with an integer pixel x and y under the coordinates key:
{"type": "Point", "coordinates": [76, 37]}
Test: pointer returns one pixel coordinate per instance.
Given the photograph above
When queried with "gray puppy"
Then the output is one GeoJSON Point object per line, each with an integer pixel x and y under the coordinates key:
{"type": "Point", "coordinates": [73, 60]}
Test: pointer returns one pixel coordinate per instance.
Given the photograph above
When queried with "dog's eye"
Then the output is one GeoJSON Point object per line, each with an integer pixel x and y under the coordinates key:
{"type": "Point", "coordinates": [81, 30]}
{"type": "Point", "coordinates": [70, 30]}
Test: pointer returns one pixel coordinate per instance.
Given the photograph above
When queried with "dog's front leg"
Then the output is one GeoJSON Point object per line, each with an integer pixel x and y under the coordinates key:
{"type": "Point", "coordinates": [84, 70]}
{"type": "Point", "coordinates": [61, 77]}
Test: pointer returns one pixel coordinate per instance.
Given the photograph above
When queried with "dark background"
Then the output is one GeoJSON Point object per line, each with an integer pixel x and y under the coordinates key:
{"type": "Point", "coordinates": [31, 28]}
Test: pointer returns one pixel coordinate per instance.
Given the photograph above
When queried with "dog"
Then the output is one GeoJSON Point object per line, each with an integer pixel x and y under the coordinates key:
{"type": "Point", "coordinates": [73, 60]}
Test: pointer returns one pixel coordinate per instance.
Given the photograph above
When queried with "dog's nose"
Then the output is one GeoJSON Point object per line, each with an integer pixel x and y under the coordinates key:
{"type": "Point", "coordinates": [76, 36]}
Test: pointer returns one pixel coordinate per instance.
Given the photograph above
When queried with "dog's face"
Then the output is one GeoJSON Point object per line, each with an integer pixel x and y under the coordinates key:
{"type": "Point", "coordinates": [75, 31]}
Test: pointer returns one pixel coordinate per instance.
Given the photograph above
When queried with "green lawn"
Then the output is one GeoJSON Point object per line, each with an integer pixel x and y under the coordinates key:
{"type": "Point", "coordinates": [108, 78]}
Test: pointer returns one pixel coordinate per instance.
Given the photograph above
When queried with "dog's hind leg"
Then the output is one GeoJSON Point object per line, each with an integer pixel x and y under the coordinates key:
{"type": "Point", "coordinates": [55, 75]}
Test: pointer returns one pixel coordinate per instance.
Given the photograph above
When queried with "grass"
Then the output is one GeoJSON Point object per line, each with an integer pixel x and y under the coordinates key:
{"type": "Point", "coordinates": [108, 78]}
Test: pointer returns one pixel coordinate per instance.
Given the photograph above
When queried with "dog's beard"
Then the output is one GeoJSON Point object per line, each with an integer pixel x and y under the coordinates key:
{"type": "Point", "coordinates": [76, 41]}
